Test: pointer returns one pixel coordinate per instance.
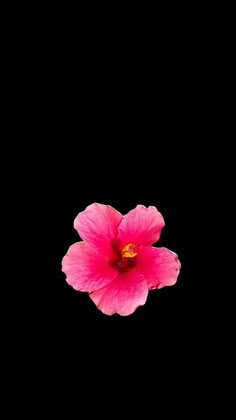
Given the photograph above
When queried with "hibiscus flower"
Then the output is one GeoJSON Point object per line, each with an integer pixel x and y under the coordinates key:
{"type": "Point", "coordinates": [116, 263]}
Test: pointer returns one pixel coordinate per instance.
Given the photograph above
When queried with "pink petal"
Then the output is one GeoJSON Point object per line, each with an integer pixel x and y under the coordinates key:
{"type": "Point", "coordinates": [98, 225]}
{"type": "Point", "coordinates": [159, 266]}
{"type": "Point", "coordinates": [123, 295]}
{"type": "Point", "coordinates": [141, 226]}
{"type": "Point", "coordinates": [85, 270]}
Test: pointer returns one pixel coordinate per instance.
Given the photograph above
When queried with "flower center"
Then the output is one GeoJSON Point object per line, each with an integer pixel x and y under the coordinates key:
{"type": "Point", "coordinates": [129, 251]}
{"type": "Point", "coordinates": [124, 258]}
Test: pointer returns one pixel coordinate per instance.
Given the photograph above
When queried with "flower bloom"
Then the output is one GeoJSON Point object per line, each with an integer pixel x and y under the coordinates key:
{"type": "Point", "coordinates": [116, 262]}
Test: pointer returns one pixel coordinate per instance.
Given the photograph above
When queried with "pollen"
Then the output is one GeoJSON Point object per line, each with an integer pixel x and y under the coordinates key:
{"type": "Point", "coordinates": [129, 251]}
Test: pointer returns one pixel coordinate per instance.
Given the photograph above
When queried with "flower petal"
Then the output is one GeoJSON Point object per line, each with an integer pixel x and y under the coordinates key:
{"type": "Point", "coordinates": [141, 226]}
{"type": "Point", "coordinates": [98, 225]}
{"type": "Point", "coordinates": [85, 270]}
{"type": "Point", "coordinates": [123, 295]}
{"type": "Point", "coordinates": [159, 266]}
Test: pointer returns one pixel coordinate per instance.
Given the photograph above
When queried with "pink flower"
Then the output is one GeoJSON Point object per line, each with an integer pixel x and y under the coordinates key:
{"type": "Point", "coordinates": [116, 262]}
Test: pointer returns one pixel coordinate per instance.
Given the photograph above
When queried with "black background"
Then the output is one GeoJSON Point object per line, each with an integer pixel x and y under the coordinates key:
{"type": "Point", "coordinates": [120, 131]}
{"type": "Point", "coordinates": [123, 109]}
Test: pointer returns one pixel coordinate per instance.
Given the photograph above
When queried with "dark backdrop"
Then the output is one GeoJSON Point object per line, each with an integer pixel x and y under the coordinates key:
{"type": "Point", "coordinates": [122, 115]}
{"type": "Point", "coordinates": [119, 136]}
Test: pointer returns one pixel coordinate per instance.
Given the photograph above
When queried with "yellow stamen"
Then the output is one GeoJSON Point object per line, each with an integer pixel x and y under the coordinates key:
{"type": "Point", "coordinates": [129, 251]}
